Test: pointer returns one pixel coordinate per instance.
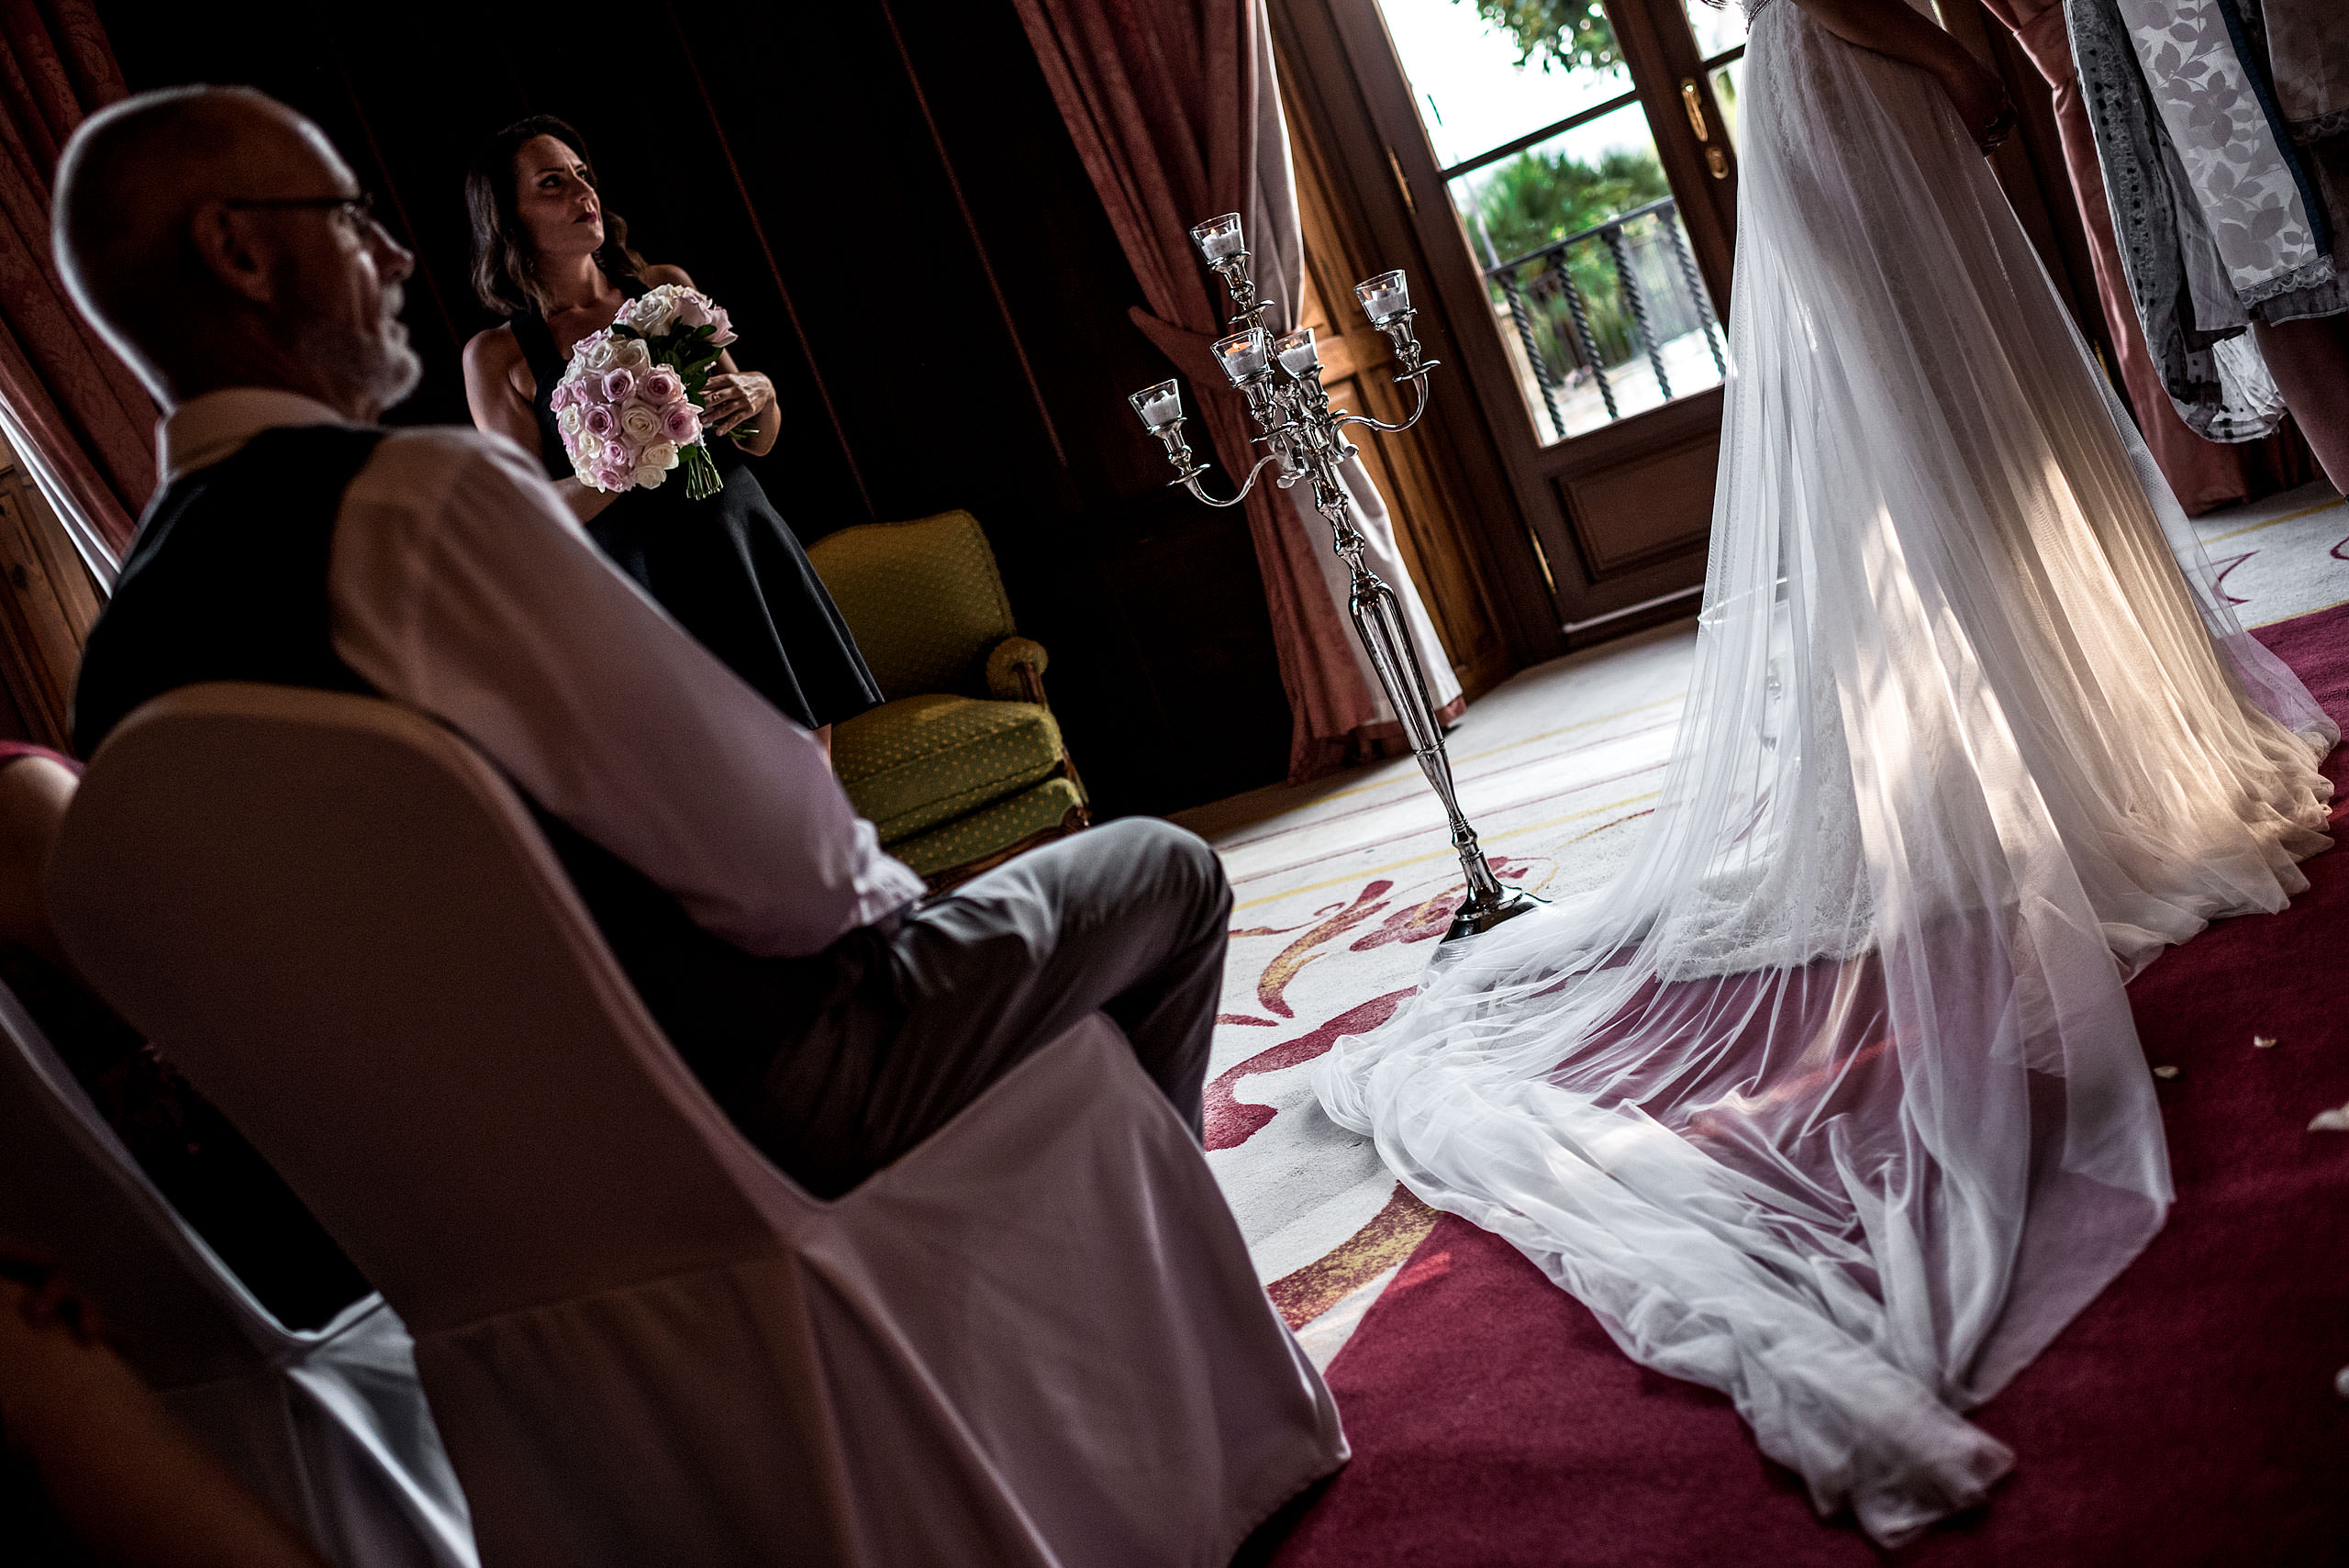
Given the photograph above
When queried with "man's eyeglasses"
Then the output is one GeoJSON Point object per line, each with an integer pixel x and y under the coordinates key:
{"type": "Point", "coordinates": [360, 209]}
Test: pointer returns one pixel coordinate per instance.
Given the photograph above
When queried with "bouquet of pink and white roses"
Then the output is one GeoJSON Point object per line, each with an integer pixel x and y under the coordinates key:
{"type": "Point", "coordinates": [627, 406]}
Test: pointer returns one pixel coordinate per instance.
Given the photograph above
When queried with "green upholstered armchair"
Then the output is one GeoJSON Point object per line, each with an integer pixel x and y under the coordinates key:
{"type": "Point", "coordinates": [964, 766]}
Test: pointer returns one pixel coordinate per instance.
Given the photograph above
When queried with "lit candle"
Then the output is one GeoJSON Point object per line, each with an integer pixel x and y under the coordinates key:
{"type": "Point", "coordinates": [1220, 237]}
{"type": "Point", "coordinates": [1159, 406]}
{"type": "Point", "coordinates": [1297, 353]}
{"type": "Point", "coordinates": [1243, 354]}
{"type": "Point", "coordinates": [1383, 297]}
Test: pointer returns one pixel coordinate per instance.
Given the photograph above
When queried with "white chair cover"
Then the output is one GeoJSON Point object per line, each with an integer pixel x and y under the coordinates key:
{"type": "Point", "coordinates": [1036, 1340]}
{"type": "Point", "coordinates": [329, 1426]}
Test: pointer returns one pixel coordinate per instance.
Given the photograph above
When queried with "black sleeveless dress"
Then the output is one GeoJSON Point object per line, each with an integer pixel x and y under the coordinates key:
{"type": "Point", "coordinates": [728, 568]}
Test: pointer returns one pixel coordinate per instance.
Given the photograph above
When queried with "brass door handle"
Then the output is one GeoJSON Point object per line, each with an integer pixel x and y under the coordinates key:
{"type": "Point", "coordinates": [1696, 108]}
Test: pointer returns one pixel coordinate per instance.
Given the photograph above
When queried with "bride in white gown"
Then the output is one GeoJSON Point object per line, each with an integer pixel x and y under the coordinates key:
{"type": "Point", "coordinates": [1832, 1100]}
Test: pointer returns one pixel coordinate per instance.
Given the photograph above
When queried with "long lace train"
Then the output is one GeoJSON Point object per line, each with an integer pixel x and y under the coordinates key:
{"type": "Point", "coordinates": [1832, 1100]}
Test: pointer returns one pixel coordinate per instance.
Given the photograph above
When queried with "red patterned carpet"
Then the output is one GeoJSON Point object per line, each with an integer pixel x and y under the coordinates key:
{"type": "Point", "coordinates": [2188, 1417]}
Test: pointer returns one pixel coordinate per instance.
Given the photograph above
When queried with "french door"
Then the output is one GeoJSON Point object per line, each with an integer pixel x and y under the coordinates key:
{"type": "Point", "coordinates": [1568, 169]}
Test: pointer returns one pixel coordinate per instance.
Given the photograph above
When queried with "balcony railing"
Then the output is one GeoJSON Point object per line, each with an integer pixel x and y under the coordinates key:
{"type": "Point", "coordinates": [1639, 298]}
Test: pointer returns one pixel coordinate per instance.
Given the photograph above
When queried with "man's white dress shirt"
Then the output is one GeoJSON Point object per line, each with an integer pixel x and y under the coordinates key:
{"type": "Point", "coordinates": [461, 586]}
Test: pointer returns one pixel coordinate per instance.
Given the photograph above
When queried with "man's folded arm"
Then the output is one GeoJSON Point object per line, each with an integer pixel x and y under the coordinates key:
{"type": "Point", "coordinates": [461, 586]}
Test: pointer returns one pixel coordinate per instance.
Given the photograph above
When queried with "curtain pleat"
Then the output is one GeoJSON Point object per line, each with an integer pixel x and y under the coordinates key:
{"type": "Point", "coordinates": [1164, 99]}
{"type": "Point", "coordinates": [68, 396]}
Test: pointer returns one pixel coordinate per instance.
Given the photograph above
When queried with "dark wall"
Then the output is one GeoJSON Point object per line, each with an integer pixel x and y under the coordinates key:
{"type": "Point", "coordinates": [886, 198]}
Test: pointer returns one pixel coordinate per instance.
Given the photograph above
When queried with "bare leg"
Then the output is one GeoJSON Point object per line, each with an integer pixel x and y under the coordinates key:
{"type": "Point", "coordinates": [2310, 360]}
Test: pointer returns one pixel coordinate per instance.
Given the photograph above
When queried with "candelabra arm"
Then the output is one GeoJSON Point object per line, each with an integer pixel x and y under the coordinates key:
{"type": "Point", "coordinates": [1190, 481]}
{"type": "Point", "coordinates": [1418, 382]}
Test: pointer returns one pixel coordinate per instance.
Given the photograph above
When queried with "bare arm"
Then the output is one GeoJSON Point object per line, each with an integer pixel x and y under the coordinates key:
{"type": "Point", "coordinates": [501, 391]}
{"type": "Point", "coordinates": [1891, 28]}
{"type": "Point", "coordinates": [733, 395]}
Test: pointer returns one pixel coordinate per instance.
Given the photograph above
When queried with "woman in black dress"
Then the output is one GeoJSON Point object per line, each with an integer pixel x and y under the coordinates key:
{"type": "Point", "coordinates": [549, 256]}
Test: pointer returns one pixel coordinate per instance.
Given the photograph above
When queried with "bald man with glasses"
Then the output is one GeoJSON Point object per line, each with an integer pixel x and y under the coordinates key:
{"type": "Point", "coordinates": [225, 251]}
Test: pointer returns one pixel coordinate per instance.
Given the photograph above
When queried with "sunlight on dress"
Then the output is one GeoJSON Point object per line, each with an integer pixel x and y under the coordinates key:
{"type": "Point", "coordinates": [1833, 1099]}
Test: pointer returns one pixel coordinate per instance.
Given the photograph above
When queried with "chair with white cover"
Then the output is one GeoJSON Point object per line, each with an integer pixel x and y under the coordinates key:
{"type": "Point", "coordinates": [328, 1426]}
{"type": "Point", "coordinates": [1034, 1341]}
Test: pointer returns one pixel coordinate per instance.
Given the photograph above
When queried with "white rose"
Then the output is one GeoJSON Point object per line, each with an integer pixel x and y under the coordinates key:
{"type": "Point", "coordinates": [586, 450]}
{"type": "Point", "coordinates": [661, 455]}
{"type": "Point", "coordinates": [595, 355]}
{"type": "Point", "coordinates": [641, 423]}
{"type": "Point", "coordinates": [568, 421]}
{"type": "Point", "coordinates": [655, 311]}
{"type": "Point", "coordinates": [630, 354]}
{"type": "Point", "coordinates": [648, 477]}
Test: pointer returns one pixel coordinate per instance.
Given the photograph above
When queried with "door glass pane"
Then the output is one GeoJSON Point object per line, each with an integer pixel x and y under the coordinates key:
{"type": "Point", "coordinates": [1720, 43]}
{"type": "Point", "coordinates": [1552, 169]}
{"type": "Point", "coordinates": [1480, 85]}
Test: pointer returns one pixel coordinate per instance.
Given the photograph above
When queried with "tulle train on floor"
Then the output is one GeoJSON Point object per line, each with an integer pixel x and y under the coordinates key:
{"type": "Point", "coordinates": [1832, 1100]}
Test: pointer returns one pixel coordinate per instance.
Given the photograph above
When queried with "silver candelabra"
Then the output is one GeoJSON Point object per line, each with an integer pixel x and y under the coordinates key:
{"type": "Point", "coordinates": [1279, 376]}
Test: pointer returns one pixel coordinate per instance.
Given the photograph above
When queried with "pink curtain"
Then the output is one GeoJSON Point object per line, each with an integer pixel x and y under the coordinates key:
{"type": "Point", "coordinates": [2204, 474]}
{"type": "Point", "coordinates": [92, 423]}
{"type": "Point", "coordinates": [1167, 101]}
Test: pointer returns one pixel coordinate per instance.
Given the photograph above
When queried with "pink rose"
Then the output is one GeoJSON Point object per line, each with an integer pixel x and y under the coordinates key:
{"type": "Point", "coordinates": [615, 478]}
{"type": "Point", "coordinates": [661, 385]}
{"type": "Point", "coordinates": [620, 386]}
{"type": "Point", "coordinates": [599, 421]}
{"type": "Point", "coordinates": [693, 308]}
{"type": "Point", "coordinates": [681, 422]}
{"type": "Point", "coordinates": [725, 333]}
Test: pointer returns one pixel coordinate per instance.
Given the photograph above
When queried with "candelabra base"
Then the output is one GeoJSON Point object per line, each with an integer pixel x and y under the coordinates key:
{"type": "Point", "coordinates": [1477, 917]}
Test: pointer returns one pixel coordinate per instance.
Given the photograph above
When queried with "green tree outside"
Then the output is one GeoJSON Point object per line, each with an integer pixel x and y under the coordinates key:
{"type": "Point", "coordinates": [1537, 198]}
{"type": "Point", "coordinates": [1573, 35]}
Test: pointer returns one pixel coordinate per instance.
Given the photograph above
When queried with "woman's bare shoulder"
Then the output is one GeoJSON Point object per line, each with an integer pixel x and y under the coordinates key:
{"type": "Point", "coordinates": [492, 349]}
{"type": "Point", "coordinates": [655, 276]}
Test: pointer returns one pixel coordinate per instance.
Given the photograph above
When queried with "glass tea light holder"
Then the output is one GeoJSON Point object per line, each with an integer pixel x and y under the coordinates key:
{"type": "Point", "coordinates": [1159, 406]}
{"type": "Point", "coordinates": [1244, 355]}
{"type": "Point", "coordinates": [1160, 409]}
{"type": "Point", "coordinates": [1387, 301]}
{"type": "Point", "coordinates": [1383, 297]}
{"type": "Point", "coordinates": [1219, 238]}
{"type": "Point", "coordinates": [1225, 249]}
{"type": "Point", "coordinates": [1298, 354]}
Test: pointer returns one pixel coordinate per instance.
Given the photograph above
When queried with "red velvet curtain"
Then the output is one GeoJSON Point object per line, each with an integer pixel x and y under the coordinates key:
{"type": "Point", "coordinates": [91, 421]}
{"type": "Point", "coordinates": [2204, 474]}
{"type": "Point", "coordinates": [1166, 100]}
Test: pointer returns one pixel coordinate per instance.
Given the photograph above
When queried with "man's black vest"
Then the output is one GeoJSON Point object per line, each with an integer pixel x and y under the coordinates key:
{"type": "Point", "coordinates": [227, 581]}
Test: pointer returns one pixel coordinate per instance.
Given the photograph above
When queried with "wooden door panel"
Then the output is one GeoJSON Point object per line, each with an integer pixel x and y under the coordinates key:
{"type": "Point", "coordinates": [1633, 510]}
{"type": "Point", "coordinates": [1358, 368]}
{"type": "Point", "coordinates": [1635, 498]}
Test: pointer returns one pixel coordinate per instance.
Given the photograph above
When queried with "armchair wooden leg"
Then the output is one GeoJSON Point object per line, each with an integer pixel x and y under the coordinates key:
{"type": "Point", "coordinates": [1033, 684]}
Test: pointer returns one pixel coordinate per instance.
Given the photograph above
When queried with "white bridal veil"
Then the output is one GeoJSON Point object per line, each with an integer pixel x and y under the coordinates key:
{"type": "Point", "coordinates": [1832, 1100]}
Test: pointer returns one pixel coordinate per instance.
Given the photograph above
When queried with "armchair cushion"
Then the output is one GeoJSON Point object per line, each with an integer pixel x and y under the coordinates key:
{"type": "Point", "coordinates": [920, 761]}
{"type": "Point", "coordinates": [991, 829]}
